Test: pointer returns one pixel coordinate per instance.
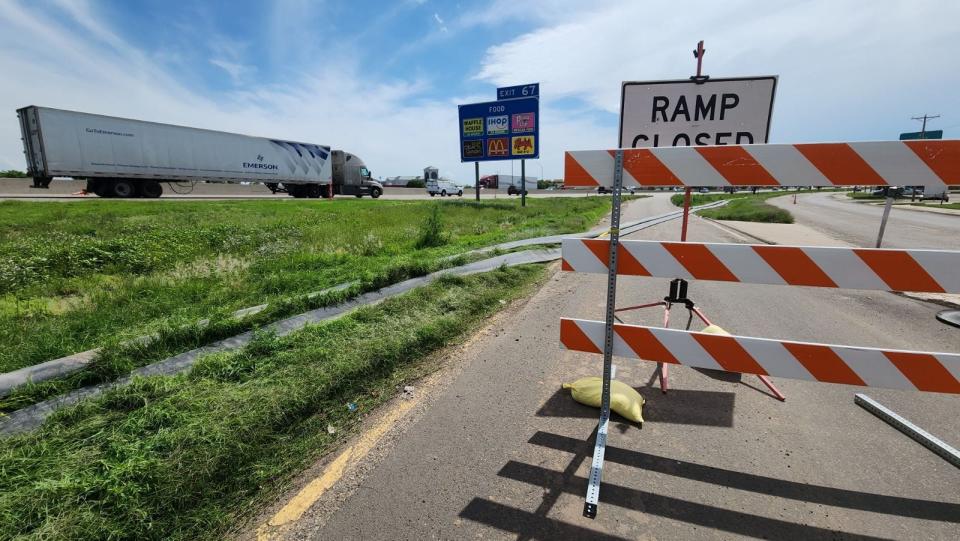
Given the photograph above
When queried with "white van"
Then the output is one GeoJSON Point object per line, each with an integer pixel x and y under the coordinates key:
{"type": "Point", "coordinates": [443, 187]}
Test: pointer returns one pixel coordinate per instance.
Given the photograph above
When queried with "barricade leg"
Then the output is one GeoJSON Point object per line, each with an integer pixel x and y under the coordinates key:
{"type": "Point", "coordinates": [661, 367]}
{"type": "Point", "coordinates": [773, 388]}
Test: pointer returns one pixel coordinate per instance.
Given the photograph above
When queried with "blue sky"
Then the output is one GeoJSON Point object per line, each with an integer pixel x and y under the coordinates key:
{"type": "Point", "coordinates": [383, 78]}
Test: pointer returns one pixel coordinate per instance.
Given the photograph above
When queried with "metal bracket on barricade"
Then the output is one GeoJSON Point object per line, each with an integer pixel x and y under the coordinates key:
{"type": "Point", "coordinates": [932, 163]}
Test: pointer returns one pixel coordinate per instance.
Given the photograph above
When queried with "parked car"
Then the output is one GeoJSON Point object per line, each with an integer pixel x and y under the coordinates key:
{"type": "Point", "coordinates": [604, 189]}
{"type": "Point", "coordinates": [942, 196]}
{"type": "Point", "coordinates": [888, 191]}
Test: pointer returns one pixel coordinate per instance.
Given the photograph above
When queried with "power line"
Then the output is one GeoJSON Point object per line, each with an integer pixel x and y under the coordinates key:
{"type": "Point", "coordinates": [924, 118]}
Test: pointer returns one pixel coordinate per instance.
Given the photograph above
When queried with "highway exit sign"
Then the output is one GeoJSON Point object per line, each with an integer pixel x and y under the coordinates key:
{"type": "Point", "coordinates": [521, 91]}
{"type": "Point", "coordinates": [932, 134]}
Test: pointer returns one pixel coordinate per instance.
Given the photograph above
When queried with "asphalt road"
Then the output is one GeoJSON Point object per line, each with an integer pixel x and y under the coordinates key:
{"type": "Point", "coordinates": [502, 452]}
{"type": "Point", "coordinates": [858, 223]}
{"type": "Point", "coordinates": [65, 190]}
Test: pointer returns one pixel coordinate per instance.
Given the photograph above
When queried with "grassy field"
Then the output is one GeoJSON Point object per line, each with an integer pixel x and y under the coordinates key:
{"type": "Point", "coordinates": [954, 206]}
{"type": "Point", "coordinates": [864, 195]}
{"type": "Point", "coordinates": [182, 457]}
{"type": "Point", "coordinates": [74, 276]}
{"type": "Point", "coordinates": [743, 206]}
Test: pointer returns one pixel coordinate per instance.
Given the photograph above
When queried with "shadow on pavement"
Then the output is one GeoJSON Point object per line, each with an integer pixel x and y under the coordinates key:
{"type": "Point", "coordinates": [678, 406]}
{"type": "Point", "coordinates": [836, 497]}
{"type": "Point", "coordinates": [673, 508]}
{"type": "Point", "coordinates": [537, 525]}
{"type": "Point", "coordinates": [527, 525]}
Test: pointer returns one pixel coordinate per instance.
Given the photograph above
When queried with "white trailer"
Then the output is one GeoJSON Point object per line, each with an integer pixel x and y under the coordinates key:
{"type": "Point", "coordinates": [121, 157]}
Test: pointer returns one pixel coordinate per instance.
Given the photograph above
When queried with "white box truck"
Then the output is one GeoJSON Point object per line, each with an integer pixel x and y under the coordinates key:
{"type": "Point", "coordinates": [119, 157]}
{"type": "Point", "coordinates": [436, 185]}
{"type": "Point", "coordinates": [510, 183]}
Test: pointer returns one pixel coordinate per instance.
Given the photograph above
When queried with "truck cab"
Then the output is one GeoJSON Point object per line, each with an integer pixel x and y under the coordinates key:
{"type": "Point", "coordinates": [351, 176]}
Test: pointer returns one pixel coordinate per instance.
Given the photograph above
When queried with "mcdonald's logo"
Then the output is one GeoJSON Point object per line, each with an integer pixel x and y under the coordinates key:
{"type": "Point", "coordinates": [498, 146]}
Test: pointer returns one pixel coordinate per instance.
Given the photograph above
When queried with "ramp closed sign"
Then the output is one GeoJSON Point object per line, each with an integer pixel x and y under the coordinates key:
{"type": "Point", "coordinates": [732, 111]}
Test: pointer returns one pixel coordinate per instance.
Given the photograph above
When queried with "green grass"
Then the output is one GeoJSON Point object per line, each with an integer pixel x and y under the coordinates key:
{"type": "Point", "coordinates": [954, 206]}
{"type": "Point", "coordinates": [184, 457]}
{"type": "Point", "coordinates": [79, 275]}
{"type": "Point", "coordinates": [744, 206]}
{"type": "Point", "coordinates": [864, 196]}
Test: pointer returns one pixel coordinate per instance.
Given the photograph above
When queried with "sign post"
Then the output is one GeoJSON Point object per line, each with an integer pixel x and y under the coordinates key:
{"type": "Point", "coordinates": [506, 129]}
{"type": "Point", "coordinates": [523, 183]}
{"type": "Point", "coordinates": [522, 91]}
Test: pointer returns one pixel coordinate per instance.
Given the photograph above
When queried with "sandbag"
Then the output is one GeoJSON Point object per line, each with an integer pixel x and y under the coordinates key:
{"type": "Point", "coordinates": [715, 329]}
{"type": "Point", "coordinates": [623, 399]}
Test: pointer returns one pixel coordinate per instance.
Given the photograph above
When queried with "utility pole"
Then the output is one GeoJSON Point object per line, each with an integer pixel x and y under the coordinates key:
{"type": "Point", "coordinates": [913, 190]}
{"type": "Point", "coordinates": [924, 118]}
{"type": "Point", "coordinates": [923, 135]}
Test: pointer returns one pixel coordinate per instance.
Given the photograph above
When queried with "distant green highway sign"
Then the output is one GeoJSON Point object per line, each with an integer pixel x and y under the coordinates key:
{"type": "Point", "coordinates": [932, 134]}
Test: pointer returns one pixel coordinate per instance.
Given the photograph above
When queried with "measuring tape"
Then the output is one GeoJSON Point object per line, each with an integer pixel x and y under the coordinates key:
{"type": "Point", "coordinates": [596, 467]}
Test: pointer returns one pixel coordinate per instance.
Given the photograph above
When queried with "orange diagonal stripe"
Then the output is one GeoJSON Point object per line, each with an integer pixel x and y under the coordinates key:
{"type": "Point", "coordinates": [645, 344]}
{"type": "Point", "coordinates": [627, 264]}
{"type": "Point", "coordinates": [841, 164]}
{"type": "Point", "coordinates": [942, 157]}
{"type": "Point", "coordinates": [647, 169]}
{"type": "Point", "coordinates": [574, 339]}
{"type": "Point", "coordinates": [699, 261]}
{"type": "Point", "coordinates": [823, 363]}
{"type": "Point", "coordinates": [574, 174]}
{"type": "Point", "coordinates": [729, 354]}
{"type": "Point", "coordinates": [737, 166]}
{"type": "Point", "coordinates": [924, 371]}
{"type": "Point", "coordinates": [600, 249]}
{"type": "Point", "coordinates": [564, 265]}
{"type": "Point", "coordinates": [899, 270]}
{"type": "Point", "coordinates": [794, 266]}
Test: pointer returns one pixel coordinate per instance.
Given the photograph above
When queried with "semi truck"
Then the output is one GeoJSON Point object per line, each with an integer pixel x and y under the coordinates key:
{"type": "Point", "coordinates": [120, 157]}
{"type": "Point", "coordinates": [511, 183]}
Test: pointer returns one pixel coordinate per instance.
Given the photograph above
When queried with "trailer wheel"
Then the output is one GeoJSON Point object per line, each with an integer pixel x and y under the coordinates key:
{"type": "Point", "coordinates": [376, 192]}
{"type": "Point", "coordinates": [432, 194]}
{"type": "Point", "coordinates": [151, 189]}
{"type": "Point", "coordinates": [122, 188]}
{"type": "Point", "coordinates": [313, 191]}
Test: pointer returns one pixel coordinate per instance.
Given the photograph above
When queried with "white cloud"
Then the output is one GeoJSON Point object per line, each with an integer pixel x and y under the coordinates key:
{"type": "Point", "coordinates": [235, 70]}
{"type": "Point", "coordinates": [855, 69]}
{"type": "Point", "coordinates": [335, 104]}
{"type": "Point", "coordinates": [443, 27]}
{"type": "Point", "coordinates": [849, 70]}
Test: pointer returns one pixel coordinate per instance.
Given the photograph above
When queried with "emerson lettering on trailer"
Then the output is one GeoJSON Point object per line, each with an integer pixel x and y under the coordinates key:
{"type": "Point", "coordinates": [684, 113]}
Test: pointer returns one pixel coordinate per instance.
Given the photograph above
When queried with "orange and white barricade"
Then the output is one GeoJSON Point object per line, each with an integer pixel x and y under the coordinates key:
{"type": "Point", "coordinates": [935, 164]}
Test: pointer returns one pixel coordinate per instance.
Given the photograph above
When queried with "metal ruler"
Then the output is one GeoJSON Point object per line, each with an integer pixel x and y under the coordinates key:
{"type": "Point", "coordinates": [596, 467]}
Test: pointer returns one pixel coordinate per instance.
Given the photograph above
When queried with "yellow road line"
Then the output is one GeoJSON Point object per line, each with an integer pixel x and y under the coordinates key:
{"type": "Point", "coordinates": [298, 505]}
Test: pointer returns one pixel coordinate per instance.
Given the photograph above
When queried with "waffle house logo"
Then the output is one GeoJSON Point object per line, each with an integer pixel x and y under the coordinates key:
{"type": "Point", "coordinates": [524, 145]}
{"type": "Point", "coordinates": [472, 127]}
